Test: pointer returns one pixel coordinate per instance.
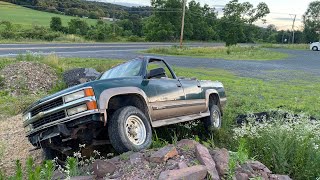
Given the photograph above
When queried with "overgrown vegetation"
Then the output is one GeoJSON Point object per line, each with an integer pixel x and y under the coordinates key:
{"type": "Point", "coordinates": [285, 142]}
{"type": "Point", "coordinates": [287, 46]}
{"type": "Point", "coordinates": [230, 53]}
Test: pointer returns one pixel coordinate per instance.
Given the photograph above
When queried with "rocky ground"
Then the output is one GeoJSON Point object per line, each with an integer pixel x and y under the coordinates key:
{"type": "Point", "coordinates": [187, 160]}
{"type": "Point", "coordinates": [14, 145]}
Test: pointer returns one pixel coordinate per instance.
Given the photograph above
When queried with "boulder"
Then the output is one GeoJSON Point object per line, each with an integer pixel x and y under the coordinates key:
{"type": "Point", "coordinates": [82, 178]}
{"type": "Point", "coordinates": [80, 75]}
{"type": "Point", "coordinates": [221, 158]}
{"type": "Point", "coordinates": [205, 158]}
{"type": "Point", "coordinates": [198, 172]}
{"type": "Point", "coordinates": [136, 158]}
{"type": "Point", "coordinates": [242, 176]}
{"type": "Point", "coordinates": [182, 165]}
{"type": "Point", "coordinates": [163, 154]}
{"type": "Point", "coordinates": [102, 168]}
{"type": "Point", "coordinates": [187, 143]}
{"type": "Point", "coordinates": [279, 177]}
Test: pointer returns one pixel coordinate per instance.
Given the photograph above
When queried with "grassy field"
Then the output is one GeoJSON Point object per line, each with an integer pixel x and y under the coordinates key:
{"type": "Point", "coordinates": [229, 53]}
{"type": "Point", "coordinates": [245, 95]}
{"type": "Point", "coordinates": [287, 46]}
{"type": "Point", "coordinates": [28, 17]}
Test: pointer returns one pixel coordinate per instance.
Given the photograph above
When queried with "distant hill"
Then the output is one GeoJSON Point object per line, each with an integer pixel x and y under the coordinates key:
{"type": "Point", "coordinates": [83, 8]}
{"type": "Point", "coordinates": [28, 17]}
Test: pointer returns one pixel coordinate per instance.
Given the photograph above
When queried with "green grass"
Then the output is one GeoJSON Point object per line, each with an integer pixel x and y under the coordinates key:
{"type": "Point", "coordinates": [229, 53]}
{"type": "Point", "coordinates": [287, 46]}
{"type": "Point", "coordinates": [28, 17]}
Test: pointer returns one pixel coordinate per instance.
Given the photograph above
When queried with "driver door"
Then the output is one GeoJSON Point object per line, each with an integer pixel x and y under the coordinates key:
{"type": "Point", "coordinates": [165, 92]}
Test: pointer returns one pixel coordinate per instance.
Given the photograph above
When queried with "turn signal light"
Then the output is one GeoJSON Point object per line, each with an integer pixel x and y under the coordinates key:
{"type": "Point", "coordinates": [88, 92]}
{"type": "Point", "coordinates": [92, 105]}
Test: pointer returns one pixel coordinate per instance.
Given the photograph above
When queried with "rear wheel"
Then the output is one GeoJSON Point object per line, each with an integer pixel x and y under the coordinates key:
{"type": "Point", "coordinates": [129, 130]}
{"type": "Point", "coordinates": [315, 48]}
{"type": "Point", "coordinates": [214, 120]}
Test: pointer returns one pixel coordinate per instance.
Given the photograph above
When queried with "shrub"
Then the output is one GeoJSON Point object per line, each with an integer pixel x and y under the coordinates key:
{"type": "Point", "coordinates": [287, 143]}
{"type": "Point", "coordinates": [56, 24]}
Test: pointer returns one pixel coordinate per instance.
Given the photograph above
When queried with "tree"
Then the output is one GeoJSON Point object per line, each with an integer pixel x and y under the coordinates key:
{"type": "Point", "coordinates": [165, 23]}
{"type": "Point", "coordinates": [311, 21]}
{"type": "Point", "coordinates": [56, 24]}
{"type": "Point", "coordinates": [78, 26]}
{"type": "Point", "coordinates": [238, 18]}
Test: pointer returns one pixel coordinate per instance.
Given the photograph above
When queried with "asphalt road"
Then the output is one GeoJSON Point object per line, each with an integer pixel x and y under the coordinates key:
{"type": "Point", "coordinates": [301, 63]}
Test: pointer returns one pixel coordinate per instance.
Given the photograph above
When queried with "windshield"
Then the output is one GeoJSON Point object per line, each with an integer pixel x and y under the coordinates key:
{"type": "Point", "coordinates": [129, 69]}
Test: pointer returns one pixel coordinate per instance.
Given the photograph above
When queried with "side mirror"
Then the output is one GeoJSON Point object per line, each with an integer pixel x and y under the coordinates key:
{"type": "Point", "coordinates": [158, 72]}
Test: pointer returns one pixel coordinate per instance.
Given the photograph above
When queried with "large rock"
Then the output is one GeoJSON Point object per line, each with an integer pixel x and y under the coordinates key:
{"type": "Point", "coordinates": [136, 158]}
{"type": "Point", "coordinates": [221, 158]}
{"type": "Point", "coordinates": [163, 154]}
{"type": "Point", "coordinates": [187, 143]}
{"type": "Point", "coordinates": [102, 168]}
{"type": "Point", "coordinates": [279, 177]}
{"type": "Point", "coordinates": [82, 178]}
{"type": "Point", "coordinates": [242, 176]}
{"type": "Point", "coordinates": [205, 158]}
{"type": "Point", "coordinates": [257, 166]}
{"type": "Point", "coordinates": [198, 172]}
{"type": "Point", "coordinates": [80, 75]}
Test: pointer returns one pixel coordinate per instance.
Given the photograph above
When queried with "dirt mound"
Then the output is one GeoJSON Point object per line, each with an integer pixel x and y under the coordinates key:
{"type": "Point", "coordinates": [14, 145]}
{"type": "Point", "coordinates": [28, 77]}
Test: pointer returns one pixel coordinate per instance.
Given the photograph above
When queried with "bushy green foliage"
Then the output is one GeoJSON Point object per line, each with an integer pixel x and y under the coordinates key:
{"type": "Point", "coordinates": [237, 158]}
{"type": "Point", "coordinates": [56, 24]}
{"type": "Point", "coordinates": [286, 143]}
{"type": "Point", "coordinates": [231, 52]}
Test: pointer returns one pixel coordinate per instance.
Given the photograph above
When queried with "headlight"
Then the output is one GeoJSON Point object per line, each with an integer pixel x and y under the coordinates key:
{"type": "Point", "coordinates": [28, 128]}
{"type": "Point", "coordinates": [74, 96]}
{"type": "Point", "coordinates": [78, 95]}
{"type": "Point", "coordinates": [77, 109]}
{"type": "Point", "coordinates": [26, 117]}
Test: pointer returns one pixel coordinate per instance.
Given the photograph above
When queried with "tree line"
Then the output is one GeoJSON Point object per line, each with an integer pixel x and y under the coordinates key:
{"type": "Point", "coordinates": [201, 24]}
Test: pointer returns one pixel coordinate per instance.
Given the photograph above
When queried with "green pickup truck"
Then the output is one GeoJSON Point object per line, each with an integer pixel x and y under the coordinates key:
{"type": "Point", "coordinates": [121, 107]}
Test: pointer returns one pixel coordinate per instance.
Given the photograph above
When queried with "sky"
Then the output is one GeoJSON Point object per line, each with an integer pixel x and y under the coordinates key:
{"type": "Point", "coordinates": [279, 16]}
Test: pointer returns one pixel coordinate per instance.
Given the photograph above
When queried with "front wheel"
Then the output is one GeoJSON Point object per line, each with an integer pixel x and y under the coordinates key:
{"type": "Point", "coordinates": [129, 130]}
{"type": "Point", "coordinates": [315, 48]}
{"type": "Point", "coordinates": [214, 120]}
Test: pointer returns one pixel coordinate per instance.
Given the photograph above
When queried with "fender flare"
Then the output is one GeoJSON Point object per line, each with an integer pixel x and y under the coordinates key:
{"type": "Point", "coordinates": [107, 94]}
{"type": "Point", "coordinates": [208, 93]}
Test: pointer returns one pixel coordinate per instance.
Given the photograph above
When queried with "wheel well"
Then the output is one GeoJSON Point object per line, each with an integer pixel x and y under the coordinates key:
{"type": "Point", "coordinates": [214, 99]}
{"type": "Point", "coordinates": [120, 101]}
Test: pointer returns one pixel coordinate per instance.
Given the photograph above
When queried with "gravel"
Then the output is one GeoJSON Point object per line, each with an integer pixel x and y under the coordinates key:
{"type": "Point", "coordinates": [28, 77]}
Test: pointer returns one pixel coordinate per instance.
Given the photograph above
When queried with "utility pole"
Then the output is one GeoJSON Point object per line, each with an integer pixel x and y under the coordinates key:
{"type": "Point", "coordinates": [113, 19]}
{"type": "Point", "coordinates": [294, 20]}
{"type": "Point", "coordinates": [182, 22]}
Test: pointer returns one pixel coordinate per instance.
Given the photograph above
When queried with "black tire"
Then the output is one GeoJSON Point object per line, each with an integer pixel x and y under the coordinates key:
{"type": "Point", "coordinates": [315, 48]}
{"type": "Point", "coordinates": [215, 115]}
{"type": "Point", "coordinates": [120, 136]}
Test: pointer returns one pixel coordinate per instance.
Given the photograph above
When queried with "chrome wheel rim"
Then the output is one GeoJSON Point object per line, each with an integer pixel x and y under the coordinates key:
{"type": "Point", "coordinates": [135, 130]}
{"type": "Point", "coordinates": [216, 118]}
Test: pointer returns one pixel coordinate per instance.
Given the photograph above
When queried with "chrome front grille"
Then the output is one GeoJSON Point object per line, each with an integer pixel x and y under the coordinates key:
{"type": "Point", "coordinates": [50, 105]}
{"type": "Point", "coordinates": [51, 118]}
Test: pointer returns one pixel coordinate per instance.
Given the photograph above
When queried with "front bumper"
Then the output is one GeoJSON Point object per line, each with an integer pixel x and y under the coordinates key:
{"type": "Point", "coordinates": [65, 120]}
